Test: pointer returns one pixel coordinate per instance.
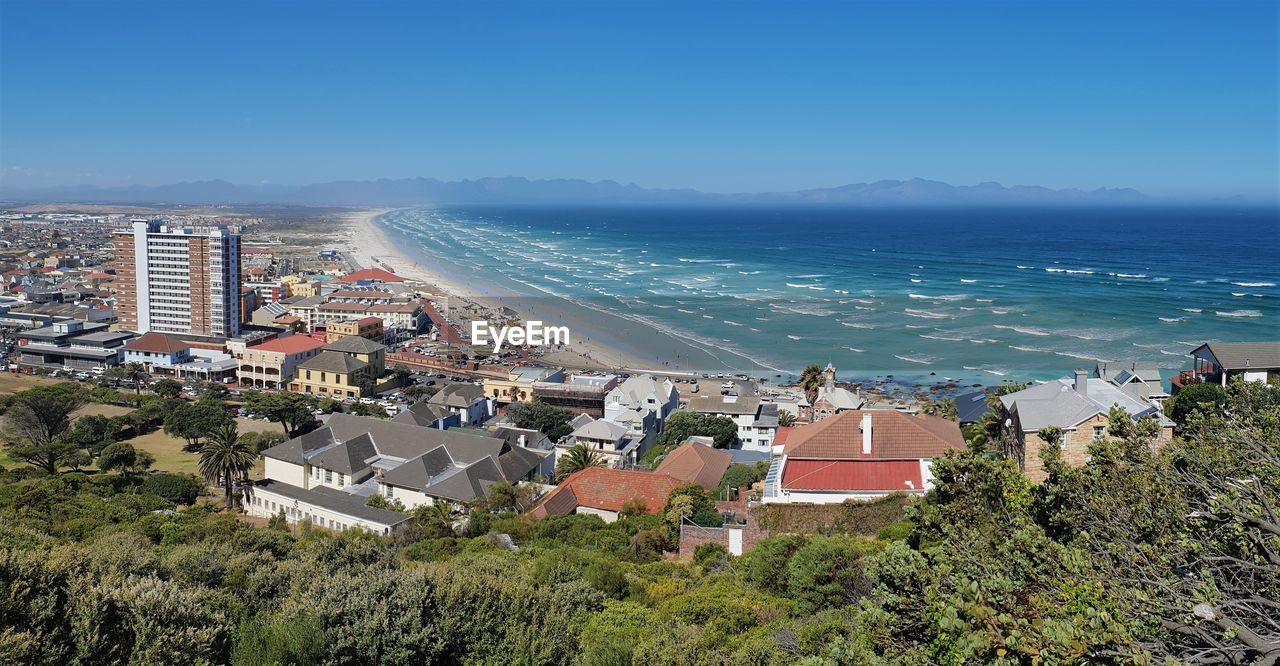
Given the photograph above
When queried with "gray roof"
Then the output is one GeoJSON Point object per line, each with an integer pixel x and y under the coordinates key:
{"type": "Point", "coordinates": [1244, 355]}
{"type": "Point", "coordinates": [1121, 372]}
{"type": "Point", "coordinates": [601, 429]}
{"type": "Point", "coordinates": [467, 483]}
{"type": "Point", "coordinates": [355, 344]}
{"type": "Point", "coordinates": [1057, 403]}
{"type": "Point", "coordinates": [305, 302]}
{"type": "Point", "coordinates": [333, 361]}
{"type": "Point", "coordinates": [349, 457]}
{"type": "Point", "coordinates": [971, 407]}
{"type": "Point", "coordinates": [336, 501]}
{"type": "Point", "coordinates": [417, 473]}
{"type": "Point", "coordinates": [422, 414]}
{"type": "Point", "coordinates": [723, 404]}
{"type": "Point", "coordinates": [458, 394]}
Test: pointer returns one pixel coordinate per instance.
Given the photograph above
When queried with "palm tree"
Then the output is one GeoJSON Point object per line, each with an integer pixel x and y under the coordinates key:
{"type": "Point", "coordinates": [810, 379]}
{"type": "Point", "coordinates": [576, 459]}
{"type": "Point", "coordinates": [136, 373]}
{"type": "Point", "coordinates": [945, 408]}
{"type": "Point", "coordinates": [225, 456]}
{"type": "Point", "coordinates": [785, 418]}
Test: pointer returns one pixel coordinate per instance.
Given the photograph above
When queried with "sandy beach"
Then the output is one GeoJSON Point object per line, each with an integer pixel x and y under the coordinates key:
{"type": "Point", "coordinates": [368, 245]}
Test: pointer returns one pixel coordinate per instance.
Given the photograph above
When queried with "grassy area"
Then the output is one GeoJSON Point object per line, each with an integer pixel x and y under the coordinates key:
{"type": "Point", "coordinates": [94, 409]}
{"type": "Point", "coordinates": [171, 458]}
{"type": "Point", "coordinates": [12, 382]}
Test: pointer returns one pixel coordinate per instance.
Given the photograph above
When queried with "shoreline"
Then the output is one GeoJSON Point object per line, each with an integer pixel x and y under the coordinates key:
{"type": "Point", "coordinates": [370, 246]}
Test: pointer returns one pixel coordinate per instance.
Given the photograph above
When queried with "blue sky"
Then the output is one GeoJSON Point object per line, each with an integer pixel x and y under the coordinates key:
{"type": "Point", "coordinates": [1174, 99]}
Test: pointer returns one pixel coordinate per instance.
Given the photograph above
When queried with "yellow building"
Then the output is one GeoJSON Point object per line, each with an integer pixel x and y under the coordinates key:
{"type": "Point", "coordinates": [342, 369]}
{"type": "Point", "coordinates": [300, 287]}
{"type": "Point", "coordinates": [518, 386]}
{"type": "Point", "coordinates": [366, 327]}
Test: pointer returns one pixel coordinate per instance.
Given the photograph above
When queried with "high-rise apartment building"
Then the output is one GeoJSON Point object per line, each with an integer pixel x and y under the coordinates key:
{"type": "Point", "coordinates": [178, 279]}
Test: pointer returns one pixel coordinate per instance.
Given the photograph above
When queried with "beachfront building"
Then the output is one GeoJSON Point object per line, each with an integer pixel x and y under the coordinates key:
{"type": "Point", "coordinates": [1080, 407]}
{"type": "Point", "coordinates": [643, 392]}
{"type": "Point", "coordinates": [859, 455]}
{"type": "Point", "coordinates": [164, 354]}
{"type": "Point", "coordinates": [519, 382]}
{"type": "Point", "coordinates": [326, 476]}
{"type": "Point", "coordinates": [1140, 379]}
{"type": "Point", "coordinates": [757, 421]}
{"type": "Point", "coordinates": [371, 276]}
{"type": "Point", "coordinates": [580, 394]}
{"type": "Point", "coordinates": [1219, 362]}
{"type": "Point", "coordinates": [832, 399]}
{"type": "Point", "coordinates": [178, 279]}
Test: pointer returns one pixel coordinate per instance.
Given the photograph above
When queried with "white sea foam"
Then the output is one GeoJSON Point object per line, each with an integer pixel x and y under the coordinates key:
{"type": "Point", "coordinates": [1171, 320]}
{"type": "Point", "coordinates": [998, 373]}
{"type": "Point", "coordinates": [940, 297]}
{"type": "Point", "coordinates": [1239, 313]}
{"type": "Point", "coordinates": [1254, 284]}
{"type": "Point", "coordinates": [795, 337]}
{"type": "Point", "coordinates": [855, 349]}
{"type": "Point", "coordinates": [1023, 329]}
{"type": "Point", "coordinates": [939, 337]}
{"type": "Point", "coordinates": [983, 300]}
{"type": "Point", "coordinates": [1239, 293]}
{"type": "Point", "coordinates": [1070, 271]}
{"type": "Point", "coordinates": [1024, 267]}
{"type": "Point", "coordinates": [1035, 350]}
{"type": "Point", "coordinates": [732, 323]}
{"type": "Point", "coordinates": [922, 360]}
{"type": "Point", "coordinates": [856, 324]}
{"type": "Point", "coordinates": [916, 280]}
{"type": "Point", "coordinates": [967, 281]}
{"type": "Point", "coordinates": [926, 314]}
{"type": "Point", "coordinates": [1193, 310]}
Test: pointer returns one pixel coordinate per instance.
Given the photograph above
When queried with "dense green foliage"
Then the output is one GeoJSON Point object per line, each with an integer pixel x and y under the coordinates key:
{"type": "Point", "coordinates": [1141, 555]}
{"type": "Point", "coordinates": [546, 419]}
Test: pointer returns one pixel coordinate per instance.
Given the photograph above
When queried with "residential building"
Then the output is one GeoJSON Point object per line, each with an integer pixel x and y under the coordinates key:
{"type": "Point", "coordinates": [606, 439]}
{"type": "Point", "coordinates": [334, 374]}
{"type": "Point", "coordinates": [365, 327]}
{"type": "Point", "coordinates": [643, 392]}
{"type": "Point", "coordinates": [1080, 407]}
{"type": "Point", "coordinates": [156, 350]}
{"type": "Point", "coordinates": [1140, 379]}
{"type": "Point", "coordinates": [696, 462]}
{"type": "Point", "coordinates": [178, 279]}
{"type": "Point", "coordinates": [274, 363]}
{"type": "Point", "coordinates": [428, 415]}
{"type": "Point", "coordinates": [859, 455]}
{"type": "Point", "coordinates": [607, 493]}
{"type": "Point", "coordinates": [466, 400]}
{"type": "Point", "coordinates": [328, 474]}
{"type": "Point", "coordinates": [371, 276]}
{"type": "Point", "coordinates": [1218, 362]}
{"type": "Point", "coordinates": [757, 421]}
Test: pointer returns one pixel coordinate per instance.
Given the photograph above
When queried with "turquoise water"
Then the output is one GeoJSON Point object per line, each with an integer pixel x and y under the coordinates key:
{"type": "Point", "coordinates": [967, 294]}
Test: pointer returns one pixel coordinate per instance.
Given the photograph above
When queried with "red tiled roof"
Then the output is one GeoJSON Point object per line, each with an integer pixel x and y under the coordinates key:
{"type": "Point", "coordinates": [784, 433]}
{"type": "Point", "coordinates": [607, 489]}
{"type": "Point", "coordinates": [290, 344]}
{"type": "Point", "coordinates": [852, 475]}
{"type": "Point", "coordinates": [894, 435]}
{"type": "Point", "coordinates": [372, 274]}
{"type": "Point", "coordinates": [158, 343]}
{"type": "Point", "coordinates": [698, 463]}
{"type": "Point", "coordinates": [286, 319]}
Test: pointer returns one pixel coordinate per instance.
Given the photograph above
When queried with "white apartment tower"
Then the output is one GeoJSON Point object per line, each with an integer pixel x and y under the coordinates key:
{"type": "Point", "coordinates": [176, 279]}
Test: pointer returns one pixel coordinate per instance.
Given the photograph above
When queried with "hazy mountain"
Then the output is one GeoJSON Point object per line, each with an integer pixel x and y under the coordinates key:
{"type": "Point", "coordinates": [414, 191]}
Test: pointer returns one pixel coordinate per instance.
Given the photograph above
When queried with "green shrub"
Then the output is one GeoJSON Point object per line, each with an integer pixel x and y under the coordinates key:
{"type": "Point", "coordinates": [177, 488]}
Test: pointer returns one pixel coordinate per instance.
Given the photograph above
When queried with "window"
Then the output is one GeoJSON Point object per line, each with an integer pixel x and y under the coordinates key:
{"type": "Point", "coordinates": [308, 374]}
{"type": "Point", "coordinates": [328, 476]}
{"type": "Point", "coordinates": [1098, 432]}
{"type": "Point", "coordinates": [391, 492]}
{"type": "Point", "coordinates": [342, 480]}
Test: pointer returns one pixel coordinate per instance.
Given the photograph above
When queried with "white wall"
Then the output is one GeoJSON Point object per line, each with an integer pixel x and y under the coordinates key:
{"type": "Point", "coordinates": [1255, 376]}
{"type": "Point", "coordinates": [410, 498]}
{"type": "Point", "coordinates": [265, 504]}
{"type": "Point", "coordinates": [608, 516]}
{"type": "Point", "coordinates": [284, 472]}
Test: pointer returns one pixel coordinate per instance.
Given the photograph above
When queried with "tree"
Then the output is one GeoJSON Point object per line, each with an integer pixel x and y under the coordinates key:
{"type": "Point", "coordinates": [225, 458]}
{"type": "Point", "coordinates": [1195, 399]}
{"type": "Point", "coordinates": [215, 392]}
{"type": "Point", "coordinates": [135, 373]}
{"type": "Point", "coordinates": [38, 418]}
{"type": "Point", "coordinates": [366, 384]}
{"type": "Point", "coordinates": [546, 419]}
{"type": "Point", "coordinates": [92, 432]}
{"type": "Point", "coordinates": [193, 421]}
{"type": "Point", "coordinates": [576, 459]}
{"type": "Point", "coordinates": [786, 419]}
{"type": "Point", "coordinates": [401, 375]}
{"type": "Point", "coordinates": [944, 408]}
{"type": "Point", "coordinates": [177, 488]}
{"type": "Point", "coordinates": [688, 501]}
{"type": "Point", "coordinates": [810, 379]}
{"type": "Point", "coordinates": [120, 456]}
{"type": "Point", "coordinates": [166, 388]}
{"type": "Point", "coordinates": [291, 410]}
{"type": "Point", "coordinates": [261, 441]}
{"type": "Point", "coordinates": [683, 425]}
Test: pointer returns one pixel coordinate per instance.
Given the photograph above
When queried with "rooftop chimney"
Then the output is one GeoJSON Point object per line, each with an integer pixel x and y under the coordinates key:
{"type": "Point", "coordinates": [866, 433]}
{"type": "Point", "coordinates": [1082, 383]}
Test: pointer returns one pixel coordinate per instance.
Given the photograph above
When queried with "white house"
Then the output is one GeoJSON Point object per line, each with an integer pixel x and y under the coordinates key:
{"type": "Point", "coordinates": [643, 392]}
{"type": "Point", "coordinates": [757, 421]}
{"type": "Point", "coordinates": [468, 401]}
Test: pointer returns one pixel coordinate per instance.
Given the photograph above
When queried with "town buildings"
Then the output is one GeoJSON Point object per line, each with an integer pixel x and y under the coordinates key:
{"type": "Point", "coordinates": [860, 455]}
{"type": "Point", "coordinates": [757, 420]}
{"type": "Point", "coordinates": [1080, 407]}
{"type": "Point", "coordinates": [1218, 362]}
{"type": "Point", "coordinates": [178, 279]}
{"type": "Point", "coordinates": [274, 363]}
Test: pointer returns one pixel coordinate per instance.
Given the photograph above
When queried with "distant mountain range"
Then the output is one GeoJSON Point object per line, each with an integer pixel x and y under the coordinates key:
{"type": "Point", "coordinates": [514, 190]}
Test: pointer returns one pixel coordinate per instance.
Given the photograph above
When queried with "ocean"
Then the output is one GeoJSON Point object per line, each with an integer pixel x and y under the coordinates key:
{"type": "Point", "coordinates": [971, 295]}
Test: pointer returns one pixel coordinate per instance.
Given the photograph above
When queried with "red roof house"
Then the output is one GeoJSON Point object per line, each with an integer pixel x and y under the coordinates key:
{"type": "Point", "coordinates": [604, 492]}
{"type": "Point", "coordinates": [860, 454]}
